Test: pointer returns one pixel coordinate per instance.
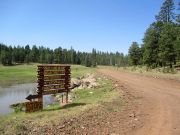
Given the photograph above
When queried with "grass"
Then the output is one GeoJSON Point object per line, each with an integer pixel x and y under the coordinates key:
{"type": "Point", "coordinates": [17, 74]}
{"type": "Point", "coordinates": [84, 99]}
{"type": "Point", "coordinates": [24, 73]}
{"type": "Point", "coordinates": [78, 71]}
{"type": "Point", "coordinates": [90, 96]}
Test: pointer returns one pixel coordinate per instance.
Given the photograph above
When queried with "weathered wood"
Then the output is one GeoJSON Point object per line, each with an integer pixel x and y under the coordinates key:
{"type": "Point", "coordinates": [51, 72]}
{"type": "Point", "coordinates": [50, 87]}
{"type": "Point", "coordinates": [55, 81]}
{"type": "Point", "coordinates": [51, 79]}
{"type": "Point", "coordinates": [30, 97]}
{"type": "Point", "coordinates": [54, 91]}
{"type": "Point", "coordinates": [52, 67]}
{"type": "Point", "coordinates": [33, 106]}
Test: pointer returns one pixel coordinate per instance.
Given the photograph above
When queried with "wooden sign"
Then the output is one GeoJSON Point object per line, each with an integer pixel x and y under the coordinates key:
{"type": "Point", "coordinates": [52, 79]}
{"type": "Point", "coordinates": [33, 106]}
{"type": "Point", "coordinates": [30, 97]}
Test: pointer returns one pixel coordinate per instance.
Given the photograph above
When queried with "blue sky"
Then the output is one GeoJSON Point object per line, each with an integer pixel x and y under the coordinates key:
{"type": "Point", "coordinates": [107, 25]}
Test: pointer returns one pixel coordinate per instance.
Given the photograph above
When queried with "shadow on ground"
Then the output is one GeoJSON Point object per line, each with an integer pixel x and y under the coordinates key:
{"type": "Point", "coordinates": [65, 106]}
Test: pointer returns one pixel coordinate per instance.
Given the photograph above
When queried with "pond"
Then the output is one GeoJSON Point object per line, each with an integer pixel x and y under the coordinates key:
{"type": "Point", "coordinates": [16, 94]}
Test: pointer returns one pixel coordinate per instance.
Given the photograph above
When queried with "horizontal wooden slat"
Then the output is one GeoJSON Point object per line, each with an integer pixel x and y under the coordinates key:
{"type": "Point", "coordinates": [54, 65]}
{"type": "Point", "coordinates": [47, 82]}
{"type": "Point", "coordinates": [47, 72]}
{"type": "Point", "coordinates": [50, 87]}
{"type": "Point", "coordinates": [55, 81]}
{"type": "Point", "coordinates": [60, 75]}
{"type": "Point", "coordinates": [54, 77]}
{"type": "Point", "coordinates": [53, 68]}
{"type": "Point", "coordinates": [54, 91]}
{"type": "Point", "coordinates": [62, 84]}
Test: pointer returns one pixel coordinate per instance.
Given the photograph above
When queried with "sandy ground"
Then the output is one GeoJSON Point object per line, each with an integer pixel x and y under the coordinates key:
{"type": "Point", "coordinates": [151, 107]}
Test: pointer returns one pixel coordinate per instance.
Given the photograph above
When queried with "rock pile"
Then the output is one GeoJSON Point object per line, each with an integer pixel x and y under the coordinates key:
{"type": "Point", "coordinates": [86, 82]}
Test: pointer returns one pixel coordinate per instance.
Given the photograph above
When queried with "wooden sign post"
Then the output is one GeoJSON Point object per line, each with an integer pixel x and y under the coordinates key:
{"type": "Point", "coordinates": [52, 79]}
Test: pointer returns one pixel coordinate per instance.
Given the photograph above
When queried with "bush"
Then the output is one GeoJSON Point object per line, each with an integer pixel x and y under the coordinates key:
{"type": "Point", "coordinates": [169, 70]}
{"type": "Point", "coordinates": [18, 108]}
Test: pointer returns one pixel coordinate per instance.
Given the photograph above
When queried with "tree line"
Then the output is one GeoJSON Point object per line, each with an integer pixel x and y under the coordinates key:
{"type": "Point", "coordinates": [18, 54]}
{"type": "Point", "coordinates": [161, 42]}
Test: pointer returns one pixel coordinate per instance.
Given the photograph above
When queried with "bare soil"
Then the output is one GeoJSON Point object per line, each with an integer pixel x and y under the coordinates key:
{"type": "Point", "coordinates": [159, 102]}
{"type": "Point", "coordinates": [147, 106]}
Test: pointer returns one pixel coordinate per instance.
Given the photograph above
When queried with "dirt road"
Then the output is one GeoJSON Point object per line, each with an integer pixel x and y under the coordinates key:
{"type": "Point", "coordinates": [144, 106]}
{"type": "Point", "coordinates": [159, 102]}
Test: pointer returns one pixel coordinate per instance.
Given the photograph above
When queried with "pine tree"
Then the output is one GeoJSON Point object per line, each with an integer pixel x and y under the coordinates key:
{"type": "Point", "coordinates": [34, 54]}
{"type": "Point", "coordinates": [6, 57]}
{"type": "Point", "coordinates": [166, 13]}
{"type": "Point", "coordinates": [151, 45]}
{"type": "Point", "coordinates": [93, 58]}
{"type": "Point", "coordinates": [27, 54]}
{"type": "Point", "coordinates": [42, 57]}
{"type": "Point", "coordinates": [88, 60]}
{"type": "Point", "coordinates": [178, 15]}
{"type": "Point", "coordinates": [177, 43]}
{"type": "Point", "coordinates": [167, 53]}
{"type": "Point", "coordinates": [58, 55]}
{"type": "Point", "coordinates": [134, 54]}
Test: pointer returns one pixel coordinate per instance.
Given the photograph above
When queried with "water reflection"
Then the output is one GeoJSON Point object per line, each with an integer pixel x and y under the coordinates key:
{"type": "Point", "coordinates": [14, 94]}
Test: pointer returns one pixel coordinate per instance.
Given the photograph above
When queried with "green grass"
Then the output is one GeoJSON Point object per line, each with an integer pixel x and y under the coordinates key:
{"type": "Point", "coordinates": [17, 74]}
{"type": "Point", "coordinates": [78, 71]}
{"type": "Point", "coordinates": [52, 115]}
{"type": "Point", "coordinates": [10, 75]}
{"type": "Point", "coordinates": [95, 95]}
{"type": "Point", "coordinates": [90, 96]}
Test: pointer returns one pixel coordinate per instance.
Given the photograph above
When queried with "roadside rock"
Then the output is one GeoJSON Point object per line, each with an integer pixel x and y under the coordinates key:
{"type": "Point", "coordinates": [86, 82]}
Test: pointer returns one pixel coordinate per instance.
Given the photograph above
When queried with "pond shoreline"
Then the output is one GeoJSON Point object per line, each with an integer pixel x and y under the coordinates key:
{"type": "Point", "coordinates": [14, 94]}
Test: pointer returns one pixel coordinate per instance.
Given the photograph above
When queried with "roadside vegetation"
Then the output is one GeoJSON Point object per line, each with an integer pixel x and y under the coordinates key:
{"type": "Point", "coordinates": [166, 73]}
{"type": "Point", "coordinates": [53, 115]}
